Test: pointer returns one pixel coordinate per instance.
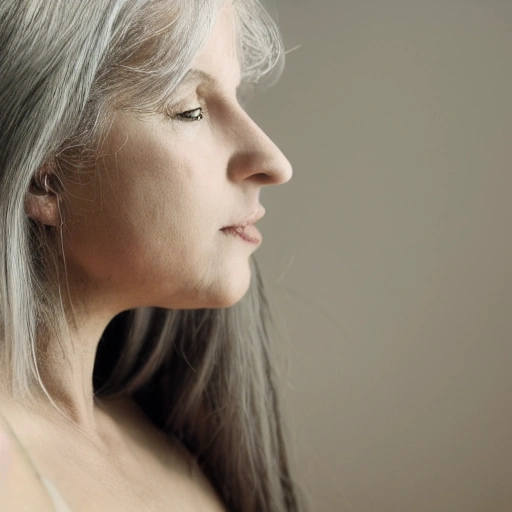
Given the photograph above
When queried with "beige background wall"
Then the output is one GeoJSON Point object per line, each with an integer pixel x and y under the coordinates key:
{"type": "Point", "coordinates": [390, 251]}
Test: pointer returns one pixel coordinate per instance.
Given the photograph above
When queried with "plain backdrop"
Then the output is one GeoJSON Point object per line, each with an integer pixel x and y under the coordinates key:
{"type": "Point", "coordinates": [389, 253]}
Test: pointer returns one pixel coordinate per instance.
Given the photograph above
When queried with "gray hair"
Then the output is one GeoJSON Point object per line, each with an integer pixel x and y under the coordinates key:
{"type": "Point", "coordinates": [66, 67]}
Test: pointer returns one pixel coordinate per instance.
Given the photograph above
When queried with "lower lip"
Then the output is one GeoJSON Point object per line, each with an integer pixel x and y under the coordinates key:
{"type": "Point", "coordinates": [250, 233]}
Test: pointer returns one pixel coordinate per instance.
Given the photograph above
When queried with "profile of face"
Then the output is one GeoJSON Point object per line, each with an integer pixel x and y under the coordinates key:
{"type": "Point", "coordinates": [145, 228]}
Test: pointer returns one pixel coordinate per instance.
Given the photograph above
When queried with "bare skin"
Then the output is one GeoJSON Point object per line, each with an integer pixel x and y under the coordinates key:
{"type": "Point", "coordinates": [167, 188]}
{"type": "Point", "coordinates": [133, 466]}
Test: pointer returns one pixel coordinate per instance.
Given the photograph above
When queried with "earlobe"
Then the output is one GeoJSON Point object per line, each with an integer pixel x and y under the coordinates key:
{"type": "Point", "coordinates": [41, 202]}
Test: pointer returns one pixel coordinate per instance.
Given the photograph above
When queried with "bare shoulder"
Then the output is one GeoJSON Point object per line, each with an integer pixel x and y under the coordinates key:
{"type": "Point", "coordinates": [167, 457]}
{"type": "Point", "coordinates": [20, 485]}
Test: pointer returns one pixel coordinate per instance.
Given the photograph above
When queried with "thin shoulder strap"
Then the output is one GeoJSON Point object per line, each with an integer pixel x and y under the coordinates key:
{"type": "Point", "coordinates": [58, 501]}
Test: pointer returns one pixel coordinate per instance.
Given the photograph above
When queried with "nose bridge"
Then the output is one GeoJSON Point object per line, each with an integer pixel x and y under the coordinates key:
{"type": "Point", "coordinates": [256, 154]}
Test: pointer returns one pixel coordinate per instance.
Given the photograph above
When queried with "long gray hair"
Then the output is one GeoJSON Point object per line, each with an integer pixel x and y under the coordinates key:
{"type": "Point", "coordinates": [207, 376]}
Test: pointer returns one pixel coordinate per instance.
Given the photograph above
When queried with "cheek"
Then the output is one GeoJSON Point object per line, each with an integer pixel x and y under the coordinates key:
{"type": "Point", "coordinates": [144, 213]}
{"type": "Point", "coordinates": [148, 224]}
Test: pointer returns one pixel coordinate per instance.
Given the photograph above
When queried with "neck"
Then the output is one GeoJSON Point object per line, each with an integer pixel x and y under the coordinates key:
{"type": "Point", "coordinates": [66, 371]}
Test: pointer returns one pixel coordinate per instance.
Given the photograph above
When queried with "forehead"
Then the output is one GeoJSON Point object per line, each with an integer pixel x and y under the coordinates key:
{"type": "Point", "coordinates": [219, 57]}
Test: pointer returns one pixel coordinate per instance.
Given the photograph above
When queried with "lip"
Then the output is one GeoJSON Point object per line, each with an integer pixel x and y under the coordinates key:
{"type": "Point", "coordinates": [251, 219]}
{"type": "Point", "coordinates": [249, 233]}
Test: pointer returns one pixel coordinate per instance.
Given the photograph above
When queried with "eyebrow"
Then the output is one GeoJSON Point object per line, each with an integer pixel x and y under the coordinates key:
{"type": "Point", "coordinates": [196, 75]}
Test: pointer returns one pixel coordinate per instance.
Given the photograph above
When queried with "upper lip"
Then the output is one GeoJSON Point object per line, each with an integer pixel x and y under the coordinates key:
{"type": "Point", "coordinates": [250, 219]}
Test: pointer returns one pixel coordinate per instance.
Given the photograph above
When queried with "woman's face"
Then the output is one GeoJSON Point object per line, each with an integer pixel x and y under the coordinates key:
{"type": "Point", "coordinates": [145, 229]}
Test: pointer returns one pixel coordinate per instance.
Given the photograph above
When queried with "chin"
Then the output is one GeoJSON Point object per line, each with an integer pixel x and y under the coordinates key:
{"type": "Point", "coordinates": [230, 291]}
{"type": "Point", "coordinates": [230, 296]}
{"type": "Point", "coordinates": [223, 293]}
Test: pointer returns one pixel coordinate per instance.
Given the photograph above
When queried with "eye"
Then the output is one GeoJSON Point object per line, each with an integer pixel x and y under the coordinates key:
{"type": "Point", "coordinates": [195, 114]}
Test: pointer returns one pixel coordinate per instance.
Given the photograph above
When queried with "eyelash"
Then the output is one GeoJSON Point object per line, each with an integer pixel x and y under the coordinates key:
{"type": "Point", "coordinates": [184, 116]}
{"type": "Point", "coordinates": [245, 94]}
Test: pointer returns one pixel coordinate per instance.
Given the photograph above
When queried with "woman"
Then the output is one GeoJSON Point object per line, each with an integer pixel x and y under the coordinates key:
{"type": "Point", "coordinates": [136, 370]}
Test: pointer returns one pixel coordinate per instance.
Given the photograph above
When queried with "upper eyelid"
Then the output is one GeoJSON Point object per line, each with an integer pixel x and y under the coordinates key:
{"type": "Point", "coordinates": [177, 109]}
{"type": "Point", "coordinates": [181, 115]}
{"type": "Point", "coordinates": [187, 101]}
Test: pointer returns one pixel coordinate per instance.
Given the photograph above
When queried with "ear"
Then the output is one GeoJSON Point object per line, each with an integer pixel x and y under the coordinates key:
{"type": "Point", "coordinates": [42, 199]}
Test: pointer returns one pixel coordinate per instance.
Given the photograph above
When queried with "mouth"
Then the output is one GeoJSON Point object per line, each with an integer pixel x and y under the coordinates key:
{"type": "Point", "coordinates": [250, 219]}
{"type": "Point", "coordinates": [248, 233]}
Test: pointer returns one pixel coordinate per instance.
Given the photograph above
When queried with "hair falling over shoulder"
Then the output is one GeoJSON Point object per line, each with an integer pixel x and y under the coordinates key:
{"type": "Point", "coordinates": [206, 376]}
{"type": "Point", "coordinates": [210, 377]}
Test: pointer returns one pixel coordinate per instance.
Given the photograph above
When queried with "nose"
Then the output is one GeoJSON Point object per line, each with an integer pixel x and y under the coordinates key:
{"type": "Point", "coordinates": [254, 155]}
